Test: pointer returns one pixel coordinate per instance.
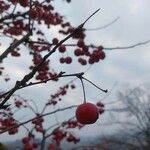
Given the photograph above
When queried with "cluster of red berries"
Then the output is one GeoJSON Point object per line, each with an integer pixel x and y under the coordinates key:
{"type": "Point", "coordinates": [36, 13]}
{"type": "Point", "coordinates": [28, 145]}
{"type": "Point", "coordinates": [72, 138]}
{"type": "Point", "coordinates": [72, 124]}
{"type": "Point", "coordinates": [23, 3]}
{"type": "Point", "coordinates": [3, 6]}
{"type": "Point", "coordinates": [13, 31]}
{"type": "Point", "coordinates": [45, 13]}
{"type": "Point", "coordinates": [38, 48]}
{"type": "Point", "coordinates": [8, 123]}
{"type": "Point", "coordinates": [38, 122]}
{"type": "Point", "coordinates": [83, 53]}
{"type": "Point", "coordinates": [15, 53]}
{"type": "Point", "coordinates": [61, 92]}
{"type": "Point", "coordinates": [43, 73]}
{"type": "Point", "coordinates": [83, 50]}
{"type": "Point", "coordinates": [54, 76]}
{"type": "Point", "coordinates": [78, 35]}
{"type": "Point", "coordinates": [52, 147]}
{"type": "Point", "coordinates": [18, 103]}
{"type": "Point", "coordinates": [17, 28]}
{"type": "Point", "coordinates": [67, 60]}
{"type": "Point", "coordinates": [59, 135]}
{"type": "Point", "coordinates": [96, 55]}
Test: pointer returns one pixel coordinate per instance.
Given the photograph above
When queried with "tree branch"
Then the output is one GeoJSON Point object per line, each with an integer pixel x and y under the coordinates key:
{"type": "Point", "coordinates": [27, 77]}
{"type": "Point", "coordinates": [13, 46]}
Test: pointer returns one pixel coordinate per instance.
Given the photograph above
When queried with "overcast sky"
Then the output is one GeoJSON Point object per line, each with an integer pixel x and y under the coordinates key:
{"type": "Point", "coordinates": [129, 66]}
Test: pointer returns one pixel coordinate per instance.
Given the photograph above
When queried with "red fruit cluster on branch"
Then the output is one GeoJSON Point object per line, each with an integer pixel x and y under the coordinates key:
{"type": "Point", "coordinates": [59, 135]}
{"type": "Point", "coordinates": [38, 122]}
{"type": "Point", "coordinates": [96, 55]}
{"type": "Point", "coordinates": [3, 6]}
{"type": "Point", "coordinates": [26, 140]}
{"type": "Point", "coordinates": [23, 3]}
{"type": "Point", "coordinates": [67, 60]}
{"type": "Point", "coordinates": [82, 61]}
{"type": "Point", "coordinates": [7, 123]}
{"type": "Point", "coordinates": [84, 51]}
{"type": "Point", "coordinates": [28, 145]}
{"type": "Point", "coordinates": [62, 133]}
{"type": "Point", "coordinates": [43, 71]}
{"type": "Point", "coordinates": [72, 138]}
{"type": "Point", "coordinates": [51, 147]}
{"type": "Point", "coordinates": [78, 35]}
{"type": "Point", "coordinates": [70, 124]}
{"type": "Point", "coordinates": [15, 53]}
{"type": "Point", "coordinates": [55, 98]}
{"type": "Point", "coordinates": [17, 28]}
{"type": "Point", "coordinates": [18, 103]}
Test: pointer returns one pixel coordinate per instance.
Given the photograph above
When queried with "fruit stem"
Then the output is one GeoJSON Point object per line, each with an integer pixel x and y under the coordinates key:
{"type": "Point", "coordinates": [84, 96]}
{"type": "Point", "coordinates": [95, 85]}
{"type": "Point", "coordinates": [91, 15]}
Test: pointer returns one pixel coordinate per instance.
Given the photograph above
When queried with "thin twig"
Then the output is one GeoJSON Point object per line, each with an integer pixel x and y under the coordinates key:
{"type": "Point", "coordinates": [84, 95]}
{"type": "Point", "coordinates": [13, 46]}
{"type": "Point", "coordinates": [60, 75]}
{"type": "Point", "coordinates": [127, 47]}
{"type": "Point", "coordinates": [96, 85]}
{"type": "Point", "coordinates": [104, 26]}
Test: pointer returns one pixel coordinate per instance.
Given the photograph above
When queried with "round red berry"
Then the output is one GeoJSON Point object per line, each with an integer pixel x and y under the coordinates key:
{"type": "Point", "coordinates": [55, 41]}
{"type": "Point", "coordinates": [62, 60]}
{"type": "Point", "coordinates": [77, 52]}
{"type": "Point", "coordinates": [62, 48]}
{"type": "Point", "coordinates": [102, 55]}
{"type": "Point", "coordinates": [68, 60]}
{"type": "Point", "coordinates": [25, 140]}
{"type": "Point", "coordinates": [81, 43]}
{"type": "Point", "coordinates": [87, 113]}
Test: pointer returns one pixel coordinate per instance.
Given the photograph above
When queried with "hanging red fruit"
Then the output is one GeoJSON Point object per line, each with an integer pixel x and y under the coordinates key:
{"type": "Point", "coordinates": [87, 113]}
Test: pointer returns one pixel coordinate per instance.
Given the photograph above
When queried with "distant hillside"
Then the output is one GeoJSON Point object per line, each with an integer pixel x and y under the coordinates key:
{"type": "Point", "coordinates": [115, 142]}
{"type": "Point", "coordinates": [17, 145]}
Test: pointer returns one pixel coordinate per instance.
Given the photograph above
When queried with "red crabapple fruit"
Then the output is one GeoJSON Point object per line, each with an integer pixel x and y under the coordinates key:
{"type": "Point", "coordinates": [87, 113]}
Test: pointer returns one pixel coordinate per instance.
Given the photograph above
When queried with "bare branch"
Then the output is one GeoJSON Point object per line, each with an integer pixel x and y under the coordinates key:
{"type": "Point", "coordinates": [104, 26]}
{"type": "Point", "coordinates": [13, 46]}
{"type": "Point", "coordinates": [94, 46]}
{"type": "Point", "coordinates": [127, 47]}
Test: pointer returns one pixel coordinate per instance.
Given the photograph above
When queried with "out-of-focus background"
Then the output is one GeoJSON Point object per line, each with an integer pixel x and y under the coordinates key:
{"type": "Point", "coordinates": [122, 70]}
